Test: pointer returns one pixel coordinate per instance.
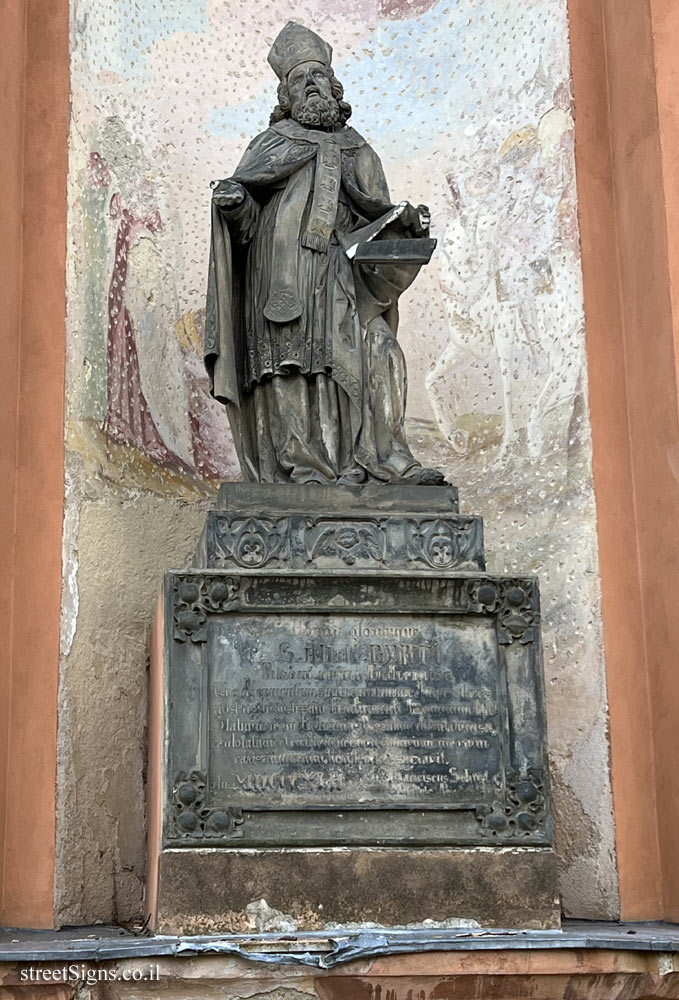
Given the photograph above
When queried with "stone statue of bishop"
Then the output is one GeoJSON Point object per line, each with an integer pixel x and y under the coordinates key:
{"type": "Point", "coordinates": [301, 328]}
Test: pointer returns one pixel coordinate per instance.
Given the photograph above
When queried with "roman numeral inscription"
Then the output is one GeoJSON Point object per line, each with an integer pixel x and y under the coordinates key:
{"type": "Point", "coordinates": [353, 711]}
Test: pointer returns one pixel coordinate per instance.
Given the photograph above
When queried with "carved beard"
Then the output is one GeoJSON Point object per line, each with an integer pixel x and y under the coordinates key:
{"type": "Point", "coordinates": [317, 112]}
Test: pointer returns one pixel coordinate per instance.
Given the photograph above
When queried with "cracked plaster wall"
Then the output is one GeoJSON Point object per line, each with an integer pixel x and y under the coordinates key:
{"type": "Point", "coordinates": [469, 106]}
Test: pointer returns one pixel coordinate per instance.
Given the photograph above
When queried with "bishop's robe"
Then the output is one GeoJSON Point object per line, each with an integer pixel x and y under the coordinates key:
{"type": "Point", "coordinates": [300, 342]}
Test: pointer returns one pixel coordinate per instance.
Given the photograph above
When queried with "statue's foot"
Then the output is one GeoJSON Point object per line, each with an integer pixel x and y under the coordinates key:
{"type": "Point", "coordinates": [430, 477]}
{"type": "Point", "coordinates": [353, 477]}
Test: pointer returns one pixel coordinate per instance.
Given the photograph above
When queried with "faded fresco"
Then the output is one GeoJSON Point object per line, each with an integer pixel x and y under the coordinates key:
{"type": "Point", "coordinates": [469, 106]}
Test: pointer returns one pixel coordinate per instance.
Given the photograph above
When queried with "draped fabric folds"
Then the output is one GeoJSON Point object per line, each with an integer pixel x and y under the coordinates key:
{"type": "Point", "coordinates": [300, 342]}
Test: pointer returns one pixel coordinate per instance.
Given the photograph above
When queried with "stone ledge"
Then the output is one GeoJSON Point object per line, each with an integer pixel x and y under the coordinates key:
{"type": "Point", "coordinates": [208, 890]}
{"type": "Point", "coordinates": [259, 498]}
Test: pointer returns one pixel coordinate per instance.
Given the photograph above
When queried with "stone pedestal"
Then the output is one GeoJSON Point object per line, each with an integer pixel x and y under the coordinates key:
{"type": "Point", "coordinates": [347, 719]}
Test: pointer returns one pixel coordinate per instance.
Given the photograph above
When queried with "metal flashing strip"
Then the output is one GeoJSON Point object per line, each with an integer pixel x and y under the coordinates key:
{"type": "Point", "coordinates": [326, 949]}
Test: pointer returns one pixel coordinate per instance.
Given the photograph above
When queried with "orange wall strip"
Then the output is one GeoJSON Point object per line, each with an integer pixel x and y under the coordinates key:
{"type": "Point", "coordinates": [34, 86]}
{"type": "Point", "coordinates": [626, 210]}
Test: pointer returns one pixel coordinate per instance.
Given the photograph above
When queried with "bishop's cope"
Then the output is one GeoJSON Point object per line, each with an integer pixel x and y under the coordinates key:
{"type": "Point", "coordinates": [302, 305]}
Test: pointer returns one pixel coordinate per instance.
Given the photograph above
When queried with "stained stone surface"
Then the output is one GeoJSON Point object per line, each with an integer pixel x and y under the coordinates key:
{"type": "Point", "coordinates": [205, 891]}
{"type": "Point", "coordinates": [326, 698]}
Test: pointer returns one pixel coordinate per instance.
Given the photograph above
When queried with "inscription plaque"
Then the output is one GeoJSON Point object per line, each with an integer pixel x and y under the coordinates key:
{"type": "Point", "coordinates": [353, 711]}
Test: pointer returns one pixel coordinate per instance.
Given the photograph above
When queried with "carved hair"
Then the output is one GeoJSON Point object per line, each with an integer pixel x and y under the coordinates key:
{"type": "Point", "coordinates": [282, 109]}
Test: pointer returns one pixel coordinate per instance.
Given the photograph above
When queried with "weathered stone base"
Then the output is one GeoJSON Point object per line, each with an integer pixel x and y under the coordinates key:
{"type": "Point", "coordinates": [347, 722]}
{"type": "Point", "coordinates": [207, 890]}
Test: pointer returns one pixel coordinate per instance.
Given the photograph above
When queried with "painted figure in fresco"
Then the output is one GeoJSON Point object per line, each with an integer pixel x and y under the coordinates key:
{"type": "Point", "coordinates": [164, 411]}
{"type": "Point", "coordinates": [511, 271]}
{"type": "Point", "coordinates": [128, 418]}
{"type": "Point", "coordinates": [300, 338]}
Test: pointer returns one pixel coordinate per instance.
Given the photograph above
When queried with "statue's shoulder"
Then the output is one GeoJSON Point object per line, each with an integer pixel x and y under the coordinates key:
{"type": "Point", "coordinates": [351, 139]}
{"type": "Point", "coordinates": [269, 137]}
{"type": "Point", "coordinates": [347, 138]}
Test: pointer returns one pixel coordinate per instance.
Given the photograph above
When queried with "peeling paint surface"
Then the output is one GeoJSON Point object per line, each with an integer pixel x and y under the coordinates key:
{"type": "Point", "coordinates": [469, 107]}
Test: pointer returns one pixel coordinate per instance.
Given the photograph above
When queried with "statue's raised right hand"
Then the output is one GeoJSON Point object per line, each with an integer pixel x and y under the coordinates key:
{"type": "Point", "coordinates": [228, 194]}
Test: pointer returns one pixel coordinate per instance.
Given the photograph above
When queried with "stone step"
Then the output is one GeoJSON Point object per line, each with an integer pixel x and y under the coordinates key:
{"type": "Point", "coordinates": [377, 498]}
